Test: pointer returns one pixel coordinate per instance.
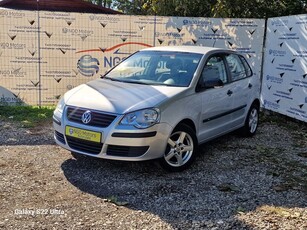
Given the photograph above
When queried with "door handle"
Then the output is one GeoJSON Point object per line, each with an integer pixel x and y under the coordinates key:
{"type": "Point", "coordinates": [250, 85]}
{"type": "Point", "coordinates": [229, 92]}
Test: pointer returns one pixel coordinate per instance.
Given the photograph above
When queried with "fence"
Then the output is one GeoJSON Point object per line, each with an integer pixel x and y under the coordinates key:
{"type": "Point", "coordinates": [284, 83]}
{"type": "Point", "coordinates": [44, 54]}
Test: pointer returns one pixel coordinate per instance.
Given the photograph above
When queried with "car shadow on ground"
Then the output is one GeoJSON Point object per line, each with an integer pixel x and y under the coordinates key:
{"type": "Point", "coordinates": [224, 181]}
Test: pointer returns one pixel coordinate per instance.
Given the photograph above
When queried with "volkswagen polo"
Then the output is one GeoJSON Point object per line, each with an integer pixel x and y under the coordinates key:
{"type": "Point", "coordinates": [160, 103]}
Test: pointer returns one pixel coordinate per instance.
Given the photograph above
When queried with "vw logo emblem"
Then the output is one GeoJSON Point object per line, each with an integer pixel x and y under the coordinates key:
{"type": "Point", "coordinates": [86, 117]}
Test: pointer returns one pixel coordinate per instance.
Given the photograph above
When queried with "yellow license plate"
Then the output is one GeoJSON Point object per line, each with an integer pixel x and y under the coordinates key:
{"type": "Point", "coordinates": [83, 134]}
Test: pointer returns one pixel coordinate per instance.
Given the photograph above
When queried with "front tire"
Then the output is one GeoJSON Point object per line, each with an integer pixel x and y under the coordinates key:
{"type": "Point", "coordinates": [180, 150]}
{"type": "Point", "coordinates": [251, 122]}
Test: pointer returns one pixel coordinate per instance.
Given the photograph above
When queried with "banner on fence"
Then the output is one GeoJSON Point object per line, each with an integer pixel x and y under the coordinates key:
{"type": "Point", "coordinates": [44, 54]}
{"type": "Point", "coordinates": [284, 84]}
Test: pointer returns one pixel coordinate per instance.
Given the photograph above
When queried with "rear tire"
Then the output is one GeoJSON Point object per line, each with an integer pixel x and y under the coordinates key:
{"type": "Point", "coordinates": [181, 149]}
{"type": "Point", "coordinates": [251, 122]}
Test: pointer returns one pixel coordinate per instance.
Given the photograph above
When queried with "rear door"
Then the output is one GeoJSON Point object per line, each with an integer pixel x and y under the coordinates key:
{"type": "Point", "coordinates": [242, 86]}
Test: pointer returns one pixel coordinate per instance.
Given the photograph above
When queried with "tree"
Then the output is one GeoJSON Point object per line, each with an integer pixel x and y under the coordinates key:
{"type": "Point", "coordinates": [196, 8]}
{"type": "Point", "coordinates": [134, 7]}
{"type": "Point", "coordinates": [258, 8]}
{"type": "Point", "coordinates": [104, 3]}
{"type": "Point", "coordinates": [208, 8]}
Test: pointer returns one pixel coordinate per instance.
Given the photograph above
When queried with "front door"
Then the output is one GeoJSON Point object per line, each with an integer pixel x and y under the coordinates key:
{"type": "Point", "coordinates": [217, 99]}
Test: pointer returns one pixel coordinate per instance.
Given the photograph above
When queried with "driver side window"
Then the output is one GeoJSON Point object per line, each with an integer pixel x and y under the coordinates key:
{"type": "Point", "coordinates": [214, 72]}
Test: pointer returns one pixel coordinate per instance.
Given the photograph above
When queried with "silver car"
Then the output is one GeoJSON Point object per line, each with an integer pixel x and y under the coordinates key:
{"type": "Point", "coordinates": [160, 103]}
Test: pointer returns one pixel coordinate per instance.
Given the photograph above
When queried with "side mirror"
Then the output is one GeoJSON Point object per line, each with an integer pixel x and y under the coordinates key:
{"type": "Point", "coordinates": [212, 83]}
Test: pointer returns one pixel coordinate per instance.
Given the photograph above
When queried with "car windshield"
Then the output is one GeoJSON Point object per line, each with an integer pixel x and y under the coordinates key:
{"type": "Point", "coordinates": [157, 68]}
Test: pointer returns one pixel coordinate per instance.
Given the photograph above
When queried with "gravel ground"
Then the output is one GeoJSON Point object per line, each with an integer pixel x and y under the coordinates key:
{"type": "Point", "coordinates": [236, 183]}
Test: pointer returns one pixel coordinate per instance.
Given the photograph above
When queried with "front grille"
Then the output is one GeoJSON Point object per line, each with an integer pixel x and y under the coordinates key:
{"type": "Point", "coordinates": [98, 119]}
{"type": "Point", "coordinates": [59, 137]}
{"type": "Point", "coordinates": [126, 151]}
{"type": "Point", "coordinates": [83, 145]}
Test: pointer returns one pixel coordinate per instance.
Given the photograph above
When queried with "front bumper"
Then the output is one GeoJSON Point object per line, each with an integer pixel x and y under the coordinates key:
{"type": "Point", "coordinates": [118, 142]}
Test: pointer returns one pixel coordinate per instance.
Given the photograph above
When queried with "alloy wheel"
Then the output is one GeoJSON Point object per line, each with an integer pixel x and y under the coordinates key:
{"type": "Point", "coordinates": [180, 149]}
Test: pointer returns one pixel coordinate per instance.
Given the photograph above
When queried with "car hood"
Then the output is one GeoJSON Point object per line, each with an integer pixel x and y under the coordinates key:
{"type": "Point", "coordinates": [119, 97]}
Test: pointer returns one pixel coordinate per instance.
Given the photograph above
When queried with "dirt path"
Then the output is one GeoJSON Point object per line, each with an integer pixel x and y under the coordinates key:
{"type": "Point", "coordinates": [236, 183]}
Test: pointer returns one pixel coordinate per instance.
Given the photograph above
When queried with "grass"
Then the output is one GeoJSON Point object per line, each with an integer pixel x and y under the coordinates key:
{"type": "Point", "coordinates": [26, 116]}
{"type": "Point", "coordinates": [114, 200]}
{"type": "Point", "coordinates": [292, 124]}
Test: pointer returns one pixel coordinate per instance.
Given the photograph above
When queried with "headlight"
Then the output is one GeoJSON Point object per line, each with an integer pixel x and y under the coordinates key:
{"type": "Point", "coordinates": [60, 106]}
{"type": "Point", "coordinates": [142, 119]}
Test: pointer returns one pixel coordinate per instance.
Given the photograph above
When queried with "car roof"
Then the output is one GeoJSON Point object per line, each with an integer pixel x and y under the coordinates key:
{"type": "Point", "coordinates": [190, 49]}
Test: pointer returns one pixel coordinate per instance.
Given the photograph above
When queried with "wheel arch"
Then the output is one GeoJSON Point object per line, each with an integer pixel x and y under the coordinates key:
{"type": "Point", "coordinates": [256, 102]}
{"type": "Point", "coordinates": [188, 122]}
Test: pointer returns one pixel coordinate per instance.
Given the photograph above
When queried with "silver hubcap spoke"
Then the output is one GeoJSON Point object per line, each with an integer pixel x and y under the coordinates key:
{"type": "Point", "coordinates": [181, 137]}
{"type": "Point", "coordinates": [171, 143]}
{"type": "Point", "coordinates": [187, 148]}
{"type": "Point", "coordinates": [179, 159]}
{"type": "Point", "coordinates": [170, 155]}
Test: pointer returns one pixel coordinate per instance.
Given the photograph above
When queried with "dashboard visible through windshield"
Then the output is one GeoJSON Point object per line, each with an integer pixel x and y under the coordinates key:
{"type": "Point", "coordinates": [157, 68]}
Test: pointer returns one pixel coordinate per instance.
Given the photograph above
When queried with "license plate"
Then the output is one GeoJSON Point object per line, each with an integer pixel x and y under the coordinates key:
{"type": "Point", "coordinates": [83, 134]}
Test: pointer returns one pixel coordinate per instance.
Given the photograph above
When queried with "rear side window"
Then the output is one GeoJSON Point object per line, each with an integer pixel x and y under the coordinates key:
{"type": "Point", "coordinates": [236, 67]}
{"type": "Point", "coordinates": [248, 69]}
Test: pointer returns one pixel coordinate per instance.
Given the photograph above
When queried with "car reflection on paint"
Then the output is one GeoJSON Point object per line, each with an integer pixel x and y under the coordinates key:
{"type": "Point", "coordinates": [160, 103]}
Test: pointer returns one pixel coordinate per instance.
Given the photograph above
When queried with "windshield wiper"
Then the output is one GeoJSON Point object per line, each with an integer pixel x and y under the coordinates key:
{"type": "Point", "coordinates": [138, 82]}
{"type": "Point", "coordinates": [135, 82]}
